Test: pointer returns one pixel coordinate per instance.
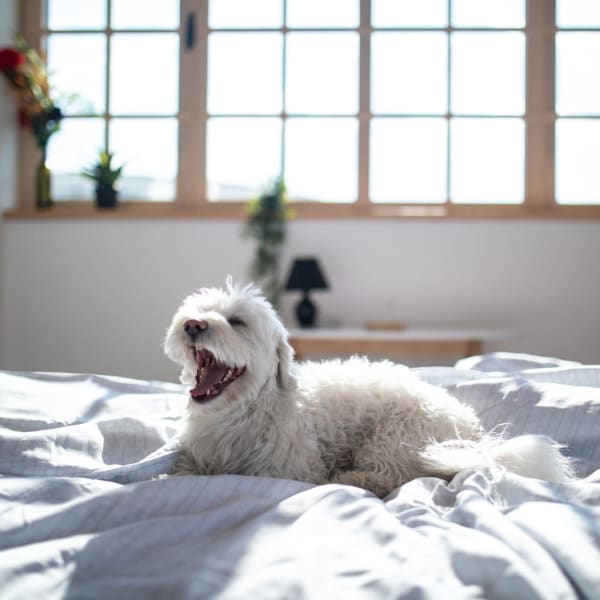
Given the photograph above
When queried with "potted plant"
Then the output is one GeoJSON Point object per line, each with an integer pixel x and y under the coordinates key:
{"type": "Point", "coordinates": [105, 176]}
{"type": "Point", "coordinates": [266, 223]}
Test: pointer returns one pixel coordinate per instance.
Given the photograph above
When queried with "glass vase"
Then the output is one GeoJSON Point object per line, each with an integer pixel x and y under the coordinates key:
{"type": "Point", "coordinates": [43, 192]}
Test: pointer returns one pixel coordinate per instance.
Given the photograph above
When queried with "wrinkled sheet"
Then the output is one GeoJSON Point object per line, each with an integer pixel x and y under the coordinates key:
{"type": "Point", "coordinates": [84, 513]}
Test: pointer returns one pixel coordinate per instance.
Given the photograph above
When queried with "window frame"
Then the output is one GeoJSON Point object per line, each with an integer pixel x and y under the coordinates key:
{"type": "Point", "coordinates": [191, 198]}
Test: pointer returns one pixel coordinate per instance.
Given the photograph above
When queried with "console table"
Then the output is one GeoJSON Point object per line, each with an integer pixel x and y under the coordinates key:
{"type": "Point", "coordinates": [432, 342]}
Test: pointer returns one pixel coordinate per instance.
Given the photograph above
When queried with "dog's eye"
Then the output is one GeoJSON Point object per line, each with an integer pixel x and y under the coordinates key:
{"type": "Point", "coordinates": [236, 322]}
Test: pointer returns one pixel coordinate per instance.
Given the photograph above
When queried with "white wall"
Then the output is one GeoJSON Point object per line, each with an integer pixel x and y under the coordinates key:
{"type": "Point", "coordinates": [8, 139]}
{"type": "Point", "coordinates": [8, 124]}
{"type": "Point", "coordinates": [97, 296]}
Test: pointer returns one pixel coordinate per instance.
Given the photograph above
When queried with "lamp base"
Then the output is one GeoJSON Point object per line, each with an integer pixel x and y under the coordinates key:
{"type": "Point", "coordinates": [306, 312]}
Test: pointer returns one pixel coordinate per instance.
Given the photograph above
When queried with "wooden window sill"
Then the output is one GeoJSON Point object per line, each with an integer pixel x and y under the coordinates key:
{"type": "Point", "coordinates": [305, 210]}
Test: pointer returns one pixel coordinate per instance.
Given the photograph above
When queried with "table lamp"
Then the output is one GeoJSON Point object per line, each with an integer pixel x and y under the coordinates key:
{"type": "Point", "coordinates": [306, 275]}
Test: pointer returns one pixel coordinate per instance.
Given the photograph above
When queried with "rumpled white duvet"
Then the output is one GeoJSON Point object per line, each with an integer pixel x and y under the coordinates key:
{"type": "Point", "coordinates": [83, 513]}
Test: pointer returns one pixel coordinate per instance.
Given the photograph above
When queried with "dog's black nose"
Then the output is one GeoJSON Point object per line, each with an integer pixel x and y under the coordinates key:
{"type": "Point", "coordinates": [194, 328]}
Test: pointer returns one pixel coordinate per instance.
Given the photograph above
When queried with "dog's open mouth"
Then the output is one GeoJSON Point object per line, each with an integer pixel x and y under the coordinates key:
{"type": "Point", "coordinates": [212, 377]}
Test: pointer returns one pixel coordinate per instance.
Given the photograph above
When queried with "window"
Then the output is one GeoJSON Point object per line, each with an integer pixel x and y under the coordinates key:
{"type": "Point", "coordinates": [447, 102]}
{"type": "Point", "coordinates": [577, 102]}
{"type": "Point", "coordinates": [122, 86]}
{"type": "Point", "coordinates": [365, 107]}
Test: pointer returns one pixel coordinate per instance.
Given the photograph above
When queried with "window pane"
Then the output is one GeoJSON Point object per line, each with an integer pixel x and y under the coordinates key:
{"type": "Point", "coordinates": [76, 146]}
{"type": "Point", "coordinates": [242, 156]}
{"type": "Point", "coordinates": [145, 14]}
{"type": "Point", "coordinates": [487, 158]}
{"type": "Point", "coordinates": [322, 159]}
{"type": "Point", "coordinates": [148, 148]}
{"type": "Point", "coordinates": [244, 73]}
{"type": "Point", "coordinates": [577, 153]}
{"type": "Point", "coordinates": [75, 14]}
{"type": "Point", "coordinates": [409, 13]}
{"type": "Point", "coordinates": [578, 13]}
{"type": "Point", "coordinates": [409, 73]}
{"type": "Point", "coordinates": [488, 73]}
{"type": "Point", "coordinates": [408, 160]}
{"type": "Point", "coordinates": [242, 13]}
{"type": "Point", "coordinates": [322, 13]}
{"type": "Point", "coordinates": [488, 13]}
{"type": "Point", "coordinates": [322, 73]}
{"type": "Point", "coordinates": [577, 73]}
{"type": "Point", "coordinates": [77, 63]}
{"type": "Point", "coordinates": [144, 73]}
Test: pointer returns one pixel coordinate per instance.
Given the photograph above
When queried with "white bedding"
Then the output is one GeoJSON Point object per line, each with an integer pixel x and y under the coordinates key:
{"type": "Point", "coordinates": [82, 514]}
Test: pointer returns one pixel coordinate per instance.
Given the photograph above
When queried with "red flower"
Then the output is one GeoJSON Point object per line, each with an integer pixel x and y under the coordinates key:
{"type": "Point", "coordinates": [10, 59]}
{"type": "Point", "coordinates": [23, 119]}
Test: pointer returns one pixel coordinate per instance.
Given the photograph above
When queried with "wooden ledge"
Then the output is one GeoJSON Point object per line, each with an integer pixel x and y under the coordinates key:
{"type": "Point", "coordinates": [306, 210]}
{"type": "Point", "coordinates": [433, 342]}
{"type": "Point", "coordinates": [125, 211]}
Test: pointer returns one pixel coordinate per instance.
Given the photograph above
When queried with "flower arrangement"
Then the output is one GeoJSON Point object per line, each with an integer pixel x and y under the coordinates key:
{"type": "Point", "coordinates": [266, 223]}
{"type": "Point", "coordinates": [26, 74]}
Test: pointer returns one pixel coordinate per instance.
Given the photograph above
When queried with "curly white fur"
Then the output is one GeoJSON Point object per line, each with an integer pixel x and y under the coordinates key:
{"type": "Point", "coordinates": [370, 424]}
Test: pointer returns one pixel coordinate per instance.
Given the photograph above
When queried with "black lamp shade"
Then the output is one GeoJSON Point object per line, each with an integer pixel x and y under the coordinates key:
{"type": "Point", "coordinates": [306, 275]}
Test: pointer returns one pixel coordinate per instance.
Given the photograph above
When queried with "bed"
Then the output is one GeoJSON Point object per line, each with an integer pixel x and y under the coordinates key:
{"type": "Point", "coordinates": [86, 511]}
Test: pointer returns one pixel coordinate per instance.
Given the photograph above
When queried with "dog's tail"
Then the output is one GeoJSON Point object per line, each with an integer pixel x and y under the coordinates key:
{"type": "Point", "coordinates": [529, 455]}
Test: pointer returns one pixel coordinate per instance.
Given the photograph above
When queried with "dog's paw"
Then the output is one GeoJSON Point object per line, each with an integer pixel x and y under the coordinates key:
{"type": "Point", "coordinates": [184, 466]}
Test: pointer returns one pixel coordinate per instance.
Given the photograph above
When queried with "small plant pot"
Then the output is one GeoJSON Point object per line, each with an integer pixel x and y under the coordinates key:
{"type": "Point", "coordinates": [106, 197]}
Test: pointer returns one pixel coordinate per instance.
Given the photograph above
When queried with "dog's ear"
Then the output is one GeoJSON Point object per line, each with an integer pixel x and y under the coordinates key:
{"type": "Point", "coordinates": [285, 356]}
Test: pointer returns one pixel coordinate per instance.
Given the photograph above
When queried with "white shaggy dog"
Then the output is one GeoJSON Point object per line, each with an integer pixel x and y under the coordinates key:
{"type": "Point", "coordinates": [375, 425]}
